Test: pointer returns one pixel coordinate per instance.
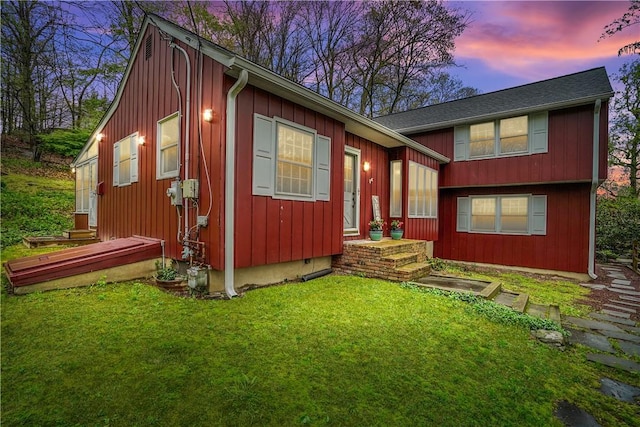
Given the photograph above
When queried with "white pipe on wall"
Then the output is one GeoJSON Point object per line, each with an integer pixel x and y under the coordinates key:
{"type": "Point", "coordinates": [594, 189]}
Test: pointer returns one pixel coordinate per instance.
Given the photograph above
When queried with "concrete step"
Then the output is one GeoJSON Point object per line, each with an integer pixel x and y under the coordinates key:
{"type": "Point", "coordinates": [554, 313]}
{"type": "Point", "coordinates": [491, 291]}
{"type": "Point", "coordinates": [400, 259]}
{"type": "Point", "coordinates": [520, 303]}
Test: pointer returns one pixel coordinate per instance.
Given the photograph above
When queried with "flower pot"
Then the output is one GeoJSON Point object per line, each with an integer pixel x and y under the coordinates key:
{"type": "Point", "coordinates": [177, 284]}
{"type": "Point", "coordinates": [397, 234]}
{"type": "Point", "coordinates": [375, 235]}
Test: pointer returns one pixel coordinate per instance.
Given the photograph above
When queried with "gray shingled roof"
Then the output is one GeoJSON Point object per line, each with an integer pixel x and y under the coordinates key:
{"type": "Point", "coordinates": [572, 89]}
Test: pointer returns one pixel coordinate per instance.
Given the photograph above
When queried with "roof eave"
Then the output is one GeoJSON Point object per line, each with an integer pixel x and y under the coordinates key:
{"type": "Point", "coordinates": [466, 120]}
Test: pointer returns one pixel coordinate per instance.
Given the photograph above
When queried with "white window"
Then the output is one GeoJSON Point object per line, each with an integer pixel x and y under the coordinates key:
{"type": "Point", "coordinates": [423, 191]}
{"type": "Point", "coordinates": [290, 161]}
{"type": "Point", "coordinates": [168, 148]}
{"type": "Point", "coordinates": [508, 214]}
{"type": "Point", "coordinates": [83, 187]}
{"type": "Point", "coordinates": [395, 209]}
{"type": "Point", "coordinates": [125, 161]}
{"type": "Point", "coordinates": [512, 136]}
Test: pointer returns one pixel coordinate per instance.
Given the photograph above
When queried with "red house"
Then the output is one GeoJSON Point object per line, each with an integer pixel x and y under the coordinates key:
{"type": "Point", "coordinates": [258, 179]}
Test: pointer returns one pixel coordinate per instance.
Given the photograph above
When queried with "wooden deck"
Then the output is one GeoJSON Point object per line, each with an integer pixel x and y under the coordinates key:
{"type": "Point", "coordinates": [65, 263]}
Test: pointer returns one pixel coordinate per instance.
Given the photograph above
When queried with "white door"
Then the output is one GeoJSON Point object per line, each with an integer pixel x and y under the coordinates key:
{"type": "Point", "coordinates": [93, 196]}
{"type": "Point", "coordinates": [351, 190]}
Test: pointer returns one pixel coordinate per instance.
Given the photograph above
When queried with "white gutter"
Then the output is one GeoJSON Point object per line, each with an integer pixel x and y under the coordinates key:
{"type": "Point", "coordinates": [230, 184]}
{"type": "Point", "coordinates": [594, 189]}
{"type": "Point", "coordinates": [187, 156]}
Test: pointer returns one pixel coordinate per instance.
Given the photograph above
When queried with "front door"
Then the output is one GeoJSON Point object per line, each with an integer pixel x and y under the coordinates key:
{"type": "Point", "coordinates": [93, 196]}
{"type": "Point", "coordinates": [351, 190]}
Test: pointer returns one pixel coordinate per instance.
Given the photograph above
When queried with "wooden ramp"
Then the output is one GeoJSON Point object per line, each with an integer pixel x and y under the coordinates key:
{"type": "Point", "coordinates": [119, 259]}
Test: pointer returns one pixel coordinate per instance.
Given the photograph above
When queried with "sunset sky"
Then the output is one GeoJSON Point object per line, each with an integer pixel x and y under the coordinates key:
{"type": "Point", "coordinates": [509, 43]}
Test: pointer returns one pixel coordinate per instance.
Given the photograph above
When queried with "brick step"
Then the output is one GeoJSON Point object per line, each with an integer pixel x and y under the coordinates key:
{"type": "Point", "coordinates": [400, 259]}
{"type": "Point", "coordinates": [411, 271]}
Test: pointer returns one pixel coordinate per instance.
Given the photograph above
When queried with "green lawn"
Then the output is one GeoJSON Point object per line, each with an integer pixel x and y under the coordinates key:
{"type": "Point", "coordinates": [333, 351]}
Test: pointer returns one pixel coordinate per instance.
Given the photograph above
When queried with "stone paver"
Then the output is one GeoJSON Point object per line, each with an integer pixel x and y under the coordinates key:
{"type": "Point", "coordinates": [614, 362]}
{"type": "Point", "coordinates": [616, 313]}
{"type": "Point", "coordinates": [616, 276]}
{"type": "Point", "coordinates": [593, 286]}
{"type": "Point", "coordinates": [623, 287]}
{"type": "Point", "coordinates": [573, 416]}
{"type": "Point", "coordinates": [629, 348]}
{"type": "Point", "coordinates": [628, 298]}
{"type": "Point", "coordinates": [607, 318]}
{"type": "Point", "coordinates": [620, 308]}
{"type": "Point", "coordinates": [621, 391]}
{"type": "Point", "coordinates": [632, 329]}
{"type": "Point", "coordinates": [622, 336]}
{"type": "Point", "coordinates": [624, 282]}
{"type": "Point", "coordinates": [625, 303]}
{"type": "Point", "coordinates": [597, 342]}
{"type": "Point", "coordinates": [591, 324]}
{"type": "Point", "coordinates": [625, 292]}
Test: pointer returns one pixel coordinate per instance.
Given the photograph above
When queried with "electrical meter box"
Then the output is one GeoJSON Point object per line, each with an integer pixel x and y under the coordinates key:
{"type": "Point", "coordinates": [190, 188]}
{"type": "Point", "coordinates": [174, 193]}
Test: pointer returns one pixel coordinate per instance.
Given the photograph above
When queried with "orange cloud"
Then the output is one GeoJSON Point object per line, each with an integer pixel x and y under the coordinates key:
{"type": "Point", "coordinates": [521, 38]}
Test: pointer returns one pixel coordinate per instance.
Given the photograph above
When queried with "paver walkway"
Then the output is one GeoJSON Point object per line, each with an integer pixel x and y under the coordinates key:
{"type": "Point", "coordinates": [612, 332]}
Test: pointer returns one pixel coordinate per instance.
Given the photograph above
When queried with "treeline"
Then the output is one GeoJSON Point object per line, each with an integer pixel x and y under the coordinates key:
{"type": "Point", "coordinates": [62, 61]}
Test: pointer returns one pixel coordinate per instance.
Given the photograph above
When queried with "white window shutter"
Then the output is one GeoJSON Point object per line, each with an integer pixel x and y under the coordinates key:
{"type": "Point", "coordinates": [538, 215]}
{"type": "Point", "coordinates": [460, 142]}
{"type": "Point", "coordinates": [538, 132]}
{"type": "Point", "coordinates": [116, 163]}
{"type": "Point", "coordinates": [464, 213]}
{"type": "Point", "coordinates": [133, 169]}
{"type": "Point", "coordinates": [323, 168]}
{"type": "Point", "coordinates": [264, 152]}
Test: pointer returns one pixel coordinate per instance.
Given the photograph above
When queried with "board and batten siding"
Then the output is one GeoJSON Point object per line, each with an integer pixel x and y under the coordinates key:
{"type": "Point", "coordinates": [564, 247]}
{"type": "Point", "coordinates": [569, 156]}
{"type": "Point", "coordinates": [375, 182]}
{"type": "Point", "coordinates": [143, 208]}
{"type": "Point", "coordinates": [270, 230]}
{"type": "Point", "coordinates": [415, 228]}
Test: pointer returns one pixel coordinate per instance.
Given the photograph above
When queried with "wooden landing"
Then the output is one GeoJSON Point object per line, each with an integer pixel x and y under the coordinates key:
{"type": "Point", "coordinates": [70, 237]}
{"type": "Point", "coordinates": [80, 260]}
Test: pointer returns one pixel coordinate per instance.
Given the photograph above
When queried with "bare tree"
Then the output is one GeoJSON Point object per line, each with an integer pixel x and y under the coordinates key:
{"type": "Point", "coordinates": [31, 27]}
{"type": "Point", "coordinates": [624, 140]}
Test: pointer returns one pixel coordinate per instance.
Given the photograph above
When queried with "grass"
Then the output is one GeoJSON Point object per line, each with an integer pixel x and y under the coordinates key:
{"type": "Point", "coordinates": [36, 201]}
{"type": "Point", "coordinates": [333, 351]}
{"type": "Point", "coordinates": [541, 289]}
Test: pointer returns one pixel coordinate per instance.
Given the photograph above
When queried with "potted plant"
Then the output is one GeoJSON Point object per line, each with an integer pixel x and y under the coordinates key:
{"type": "Point", "coordinates": [375, 229]}
{"type": "Point", "coordinates": [396, 229]}
{"type": "Point", "coordinates": [167, 276]}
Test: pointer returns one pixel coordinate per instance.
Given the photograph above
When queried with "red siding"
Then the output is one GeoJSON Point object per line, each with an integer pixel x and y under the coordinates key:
{"type": "Point", "coordinates": [563, 248]}
{"type": "Point", "coordinates": [378, 157]}
{"type": "Point", "coordinates": [142, 208]}
{"type": "Point", "coordinates": [271, 230]}
{"type": "Point", "coordinates": [415, 228]}
{"type": "Point", "coordinates": [569, 158]}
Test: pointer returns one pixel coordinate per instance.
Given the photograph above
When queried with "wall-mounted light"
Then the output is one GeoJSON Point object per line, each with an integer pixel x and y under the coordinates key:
{"type": "Point", "coordinates": [100, 137]}
{"type": "Point", "coordinates": [141, 140]}
{"type": "Point", "coordinates": [207, 115]}
{"type": "Point", "coordinates": [73, 169]}
{"type": "Point", "coordinates": [366, 166]}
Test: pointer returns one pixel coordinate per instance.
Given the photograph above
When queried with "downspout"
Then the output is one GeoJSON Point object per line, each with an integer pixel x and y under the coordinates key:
{"type": "Point", "coordinates": [594, 189]}
{"type": "Point", "coordinates": [187, 156]}
{"type": "Point", "coordinates": [230, 184]}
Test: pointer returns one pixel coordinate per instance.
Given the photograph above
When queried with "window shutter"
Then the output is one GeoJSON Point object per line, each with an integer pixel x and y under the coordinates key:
{"type": "Point", "coordinates": [133, 169]}
{"type": "Point", "coordinates": [538, 215]}
{"type": "Point", "coordinates": [464, 210]}
{"type": "Point", "coordinates": [263, 156]}
{"type": "Point", "coordinates": [460, 142]}
{"type": "Point", "coordinates": [538, 124]}
{"type": "Point", "coordinates": [323, 167]}
{"type": "Point", "coordinates": [116, 163]}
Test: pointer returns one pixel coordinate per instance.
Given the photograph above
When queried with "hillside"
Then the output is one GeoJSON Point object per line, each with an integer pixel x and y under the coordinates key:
{"type": "Point", "coordinates": [36, 199]}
